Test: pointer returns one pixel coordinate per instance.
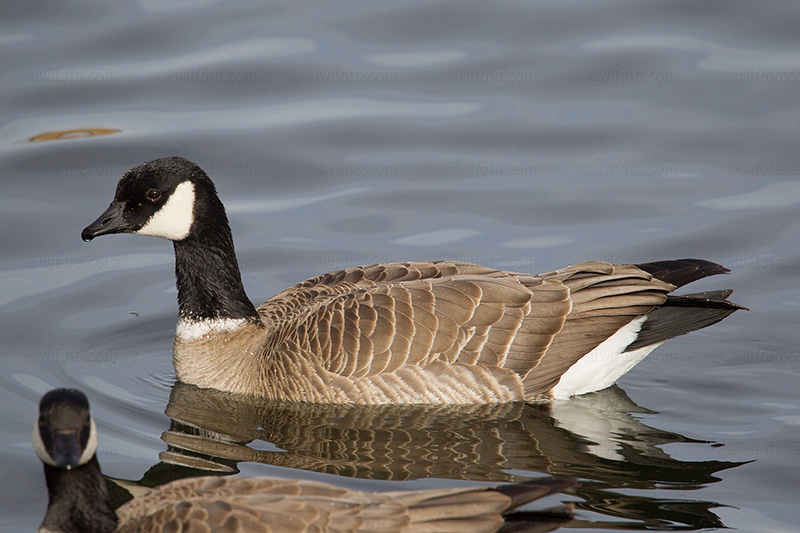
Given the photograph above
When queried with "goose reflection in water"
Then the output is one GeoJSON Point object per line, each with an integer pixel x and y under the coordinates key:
{"type": "Point", "coordinates": [594, 438]}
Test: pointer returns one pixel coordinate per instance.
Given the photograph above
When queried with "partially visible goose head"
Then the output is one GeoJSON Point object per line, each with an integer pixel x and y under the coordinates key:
{"type": "Point", "coordinates": [65, 435]}
{"type": "Point", "coordinates": [65, 439]}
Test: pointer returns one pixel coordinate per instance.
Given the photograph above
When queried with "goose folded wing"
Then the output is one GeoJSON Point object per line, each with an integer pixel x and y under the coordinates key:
{"type": "Point", "coordinates": [461, 319]}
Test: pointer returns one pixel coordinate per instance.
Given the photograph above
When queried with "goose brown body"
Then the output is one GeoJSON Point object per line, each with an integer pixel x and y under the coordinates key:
{"type": "Point", "coordinates": [440, 332]}
{"type": "Point", "coordinates": [417, 332]}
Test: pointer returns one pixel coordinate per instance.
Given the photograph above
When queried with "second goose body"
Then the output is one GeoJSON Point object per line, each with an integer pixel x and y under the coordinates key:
{"type": "Point", "coordinates": [417, 332]}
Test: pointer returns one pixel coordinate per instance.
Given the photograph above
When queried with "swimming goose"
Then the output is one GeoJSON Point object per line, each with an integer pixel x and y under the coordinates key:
{"type": "Point", "coordinates": [416, 332]}
{"type": "Point", "coordinates": [65, 439]}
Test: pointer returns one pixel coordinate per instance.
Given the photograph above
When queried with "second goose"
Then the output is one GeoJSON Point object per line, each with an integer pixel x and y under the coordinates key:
{"type": "Point", "coordinates": [65, 439]}
{"type": "Point", "coordinates": [417, 332]}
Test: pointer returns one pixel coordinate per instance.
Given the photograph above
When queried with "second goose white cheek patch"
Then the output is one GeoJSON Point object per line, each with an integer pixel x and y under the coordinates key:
{"type": "Point", "coordinates": [174, 220]}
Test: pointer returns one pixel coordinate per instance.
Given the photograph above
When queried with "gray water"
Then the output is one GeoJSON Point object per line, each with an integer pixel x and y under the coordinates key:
{"type": "Point", "coordinates": [525, 136]}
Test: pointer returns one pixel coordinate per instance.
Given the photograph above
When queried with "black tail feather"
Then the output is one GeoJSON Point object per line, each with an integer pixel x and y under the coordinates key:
{"type": "Point", "coordinates": [680, 272]}
{"type": "Point", "coordinates": [684, 314]}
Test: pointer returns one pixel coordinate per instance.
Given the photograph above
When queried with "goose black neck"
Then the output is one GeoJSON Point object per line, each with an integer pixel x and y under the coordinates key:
{"type": "Point", "coordinates": [79, 500]}
{"type": "Point", "coordinates": [207, 274]}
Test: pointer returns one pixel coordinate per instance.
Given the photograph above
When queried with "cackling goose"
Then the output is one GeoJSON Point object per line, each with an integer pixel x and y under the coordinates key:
{"type": "Point", "coordinates": [416, 332]}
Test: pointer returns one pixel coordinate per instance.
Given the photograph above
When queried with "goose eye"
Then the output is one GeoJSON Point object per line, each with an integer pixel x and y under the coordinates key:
{"type": "Point", "coordinates": [153, 195]}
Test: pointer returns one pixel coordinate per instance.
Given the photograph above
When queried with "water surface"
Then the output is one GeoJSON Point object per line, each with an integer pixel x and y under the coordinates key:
{"type": "Point", "coordinates": [516, 135]}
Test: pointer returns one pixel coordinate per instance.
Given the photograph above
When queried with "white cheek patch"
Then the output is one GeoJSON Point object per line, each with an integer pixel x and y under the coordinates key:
{"type": "Point", "coordinates": [91, 444]}
{"type": "Point", "coordinates": [44, 455]}
{"type": "Point", "coordinates": [174, 220]}
{"type": "Point", "coordinates": [38, 446]}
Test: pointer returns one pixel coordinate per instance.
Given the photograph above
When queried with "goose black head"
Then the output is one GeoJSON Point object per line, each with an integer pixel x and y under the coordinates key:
{"type": "Point", "coordinates": [65, 435]}
{"type": "Point", "coordinates": [158, 198]}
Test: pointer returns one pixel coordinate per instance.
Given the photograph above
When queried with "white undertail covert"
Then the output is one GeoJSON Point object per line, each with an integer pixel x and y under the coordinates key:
{"type": "Point", "coordinates": [601, 367]}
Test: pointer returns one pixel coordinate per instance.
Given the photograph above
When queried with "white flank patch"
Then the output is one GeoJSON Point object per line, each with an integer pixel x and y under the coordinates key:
{"type": "Point", "coordinates": [174, 220]}
{"type": "Point", "coordinates": [190, 330]}
{"type": "Point", "coordinates": [604, 365]}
